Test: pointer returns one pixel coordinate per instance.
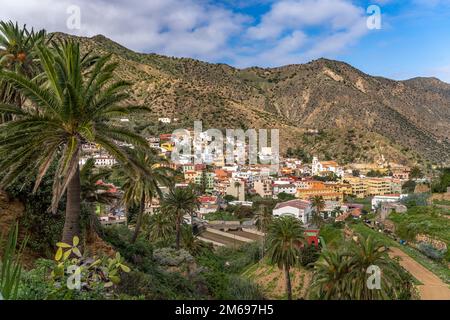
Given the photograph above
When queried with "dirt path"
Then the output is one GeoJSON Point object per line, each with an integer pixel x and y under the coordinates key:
{"type": "Point", "coordinates": [432, 287]}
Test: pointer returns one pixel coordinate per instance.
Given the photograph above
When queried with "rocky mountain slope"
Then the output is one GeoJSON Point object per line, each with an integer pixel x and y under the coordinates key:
{"type": "Point", "coordinates": [358, 117]}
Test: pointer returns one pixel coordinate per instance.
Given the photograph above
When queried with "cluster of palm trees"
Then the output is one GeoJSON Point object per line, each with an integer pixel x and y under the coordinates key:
{"type": "Point", "coordinates": [339, 273]}
{"type": "Point", "coordinates": [343, 274]}
{"type": "Point", "coordinates": [54, 99]}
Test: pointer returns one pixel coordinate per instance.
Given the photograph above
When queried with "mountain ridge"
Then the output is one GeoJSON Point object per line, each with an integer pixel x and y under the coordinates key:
{"type": "Point", "coordinates": [371, 117]}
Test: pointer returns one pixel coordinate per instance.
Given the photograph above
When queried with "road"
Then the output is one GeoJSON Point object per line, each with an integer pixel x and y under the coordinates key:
{"type": "Point", "coordinates": [247, 235]}
{"type": "Point", "coordinates": [432, 288]}
{"type": "Point", "coordinates": [230, 242]}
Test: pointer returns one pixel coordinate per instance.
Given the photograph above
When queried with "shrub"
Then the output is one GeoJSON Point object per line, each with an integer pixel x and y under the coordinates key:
{"type": "Point", "coordinates": [430, 251]}
{"type": "Point", "coordinates": [308, 255]}
{"type": "Point", "coordinates": [172, 257]}
{"type": "Point", "coordinates": [240, 288]}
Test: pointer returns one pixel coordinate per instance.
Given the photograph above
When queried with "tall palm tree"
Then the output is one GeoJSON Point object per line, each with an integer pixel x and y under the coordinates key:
{"type": "Point", "coordinates": [17, 53]}
{"type": "Point", "coordinates": [140, 186]}
{"type": "Point", "coordinates": [285, 238]}
{"type": "Point", "coordinates": [178, 203]}
{"type": "Point", "coordinates": [73, 103]}
{"type": "Point", "coordinates": [263, 219]}
{"type": "Point", "coordinates": [237, 185]}
{"type": "Point", "coordinates": [318, 203]}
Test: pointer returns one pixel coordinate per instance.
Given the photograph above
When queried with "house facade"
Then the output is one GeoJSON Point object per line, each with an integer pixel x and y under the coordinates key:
{"type": "Point", "coordinates": [301, 209]}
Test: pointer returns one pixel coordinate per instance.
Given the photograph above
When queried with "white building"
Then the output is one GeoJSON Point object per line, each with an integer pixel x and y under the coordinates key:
{"type": "Point", "coordinates": [377, 200]}
{"type": "Point", "coordinates": [288, 188]}
{"type": "Point", "coordinates": [100, 161]}
{"type": "Point", "coordinates": [301, 209]}
{"type": "Point", "coordinates": [323, 167]}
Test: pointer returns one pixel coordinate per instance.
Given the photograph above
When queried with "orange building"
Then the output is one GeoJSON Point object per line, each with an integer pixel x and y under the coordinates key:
{"type": "Point", "coordinates": [319, 188]}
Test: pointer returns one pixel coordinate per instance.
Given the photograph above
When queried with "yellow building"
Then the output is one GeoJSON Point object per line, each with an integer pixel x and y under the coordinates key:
{"type": "Point", "coordinates": [358, 187]}
{"type": "Point", "coordinates": [379, 186]}
{"type": "Point", "coordinates": [339, 187]}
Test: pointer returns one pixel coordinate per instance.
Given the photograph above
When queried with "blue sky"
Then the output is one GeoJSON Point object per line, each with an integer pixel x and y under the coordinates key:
{"type": "Point", "coordinates": [413, 39]}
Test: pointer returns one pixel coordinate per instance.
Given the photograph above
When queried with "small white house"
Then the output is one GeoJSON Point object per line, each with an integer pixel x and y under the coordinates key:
{"type": "Point", "coordinates": [301, 209]}
{"type": "Point", "coordinates": [377, 200]}
{"type": "Point", "coordinates": [164, 120]}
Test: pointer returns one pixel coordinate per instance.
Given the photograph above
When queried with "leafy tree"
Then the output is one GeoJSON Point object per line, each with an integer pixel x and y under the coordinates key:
{"type": "Point", "coordinates": [283, 196]}
{"type": "Point", "coordinates": [375, 173]}
{"type": "Point", "coordinates": [284, 239]}
{"type": "Point", "coordinates": [443, 182]}
{"type": "Point", "coordinates": [308, 254]}
{"type": "Point", "coordinates": [229, 198]}
{"type": "Point", "coordinates": [72, 103]}
{"type": "Point", "coordinates": [178, 203]}
{"type": "Point", "coordinates": [416, 173]}
{"type": "Point", "coordinates": [409, 186]}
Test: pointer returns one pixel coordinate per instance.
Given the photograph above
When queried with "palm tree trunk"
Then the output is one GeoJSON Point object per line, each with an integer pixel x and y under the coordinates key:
{"type": "Point", "coordinates": [263, 246]}
{"type": "Point", "coordinates": [178, 230]}
{"type": "Point", "coordinates": [137, 228]}
{"type": "Point", "coordinates": [287, 277]}
{"type": "Point", "coordinates": [73, 209]}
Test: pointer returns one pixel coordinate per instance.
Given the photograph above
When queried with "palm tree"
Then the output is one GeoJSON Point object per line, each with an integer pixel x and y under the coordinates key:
{"type": "Point", "coordinates": [191, 243]}
{"type": "Point", "coordinates": [237, 185]}
{"type": "Point", "coordinates": [73, 102]}
{"type": "Point", "coordinates": [263, 219]}
{"type": "Point", "coordinates": [178, 203]}
{"type": "Point", "coordinates": [140, 186]}
{"type": "Point", "coordinates": [159, 226]}
{"type": "Point", "coordinates": [284, 240]}
{"type": "Point", "coordinates": [17, 53]}
{"type": "Point", "coordinates": [366, 252]}
{"type": "Point", "coordinates": [91, 190]}
{"type": "Point", "coordinates": [330, 279]}
{"type": "Point", "coordinates": [319, 205]}
{"type": "Point", "coordinates": [343, 274]}
{"type": "Point", "coordinates": [94, 192]}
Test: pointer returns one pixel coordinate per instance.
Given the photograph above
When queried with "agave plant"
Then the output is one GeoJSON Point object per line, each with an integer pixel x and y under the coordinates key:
{"type": "Point", "coordinates": [10, 267]}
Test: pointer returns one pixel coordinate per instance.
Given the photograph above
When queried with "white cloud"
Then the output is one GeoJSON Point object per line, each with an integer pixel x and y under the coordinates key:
{"type": "Point", "coordinates": [173, 27]}
{"type": "Point", "coordinates": [293, 31]}
{"type": "Point", "coordinates": [320, 27]}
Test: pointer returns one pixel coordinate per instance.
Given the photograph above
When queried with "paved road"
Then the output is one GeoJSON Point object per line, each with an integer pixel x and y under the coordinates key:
{"type": "Point", "coordinates": [433, 287]}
